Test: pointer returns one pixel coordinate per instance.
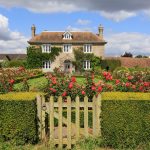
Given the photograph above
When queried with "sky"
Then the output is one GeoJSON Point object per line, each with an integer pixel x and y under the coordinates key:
{"type": "Point", "coordinates": [126, 23]}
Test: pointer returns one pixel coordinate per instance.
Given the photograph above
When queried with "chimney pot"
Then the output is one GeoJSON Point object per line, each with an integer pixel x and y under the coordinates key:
{"type": "Point", "coordinates": [33, 30]}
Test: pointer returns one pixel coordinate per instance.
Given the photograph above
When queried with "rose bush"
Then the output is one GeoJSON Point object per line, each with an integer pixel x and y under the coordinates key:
{"type": "Point", "coordinates": [62, 85]}
{"type": "Point", "coordinates": [10, 76]}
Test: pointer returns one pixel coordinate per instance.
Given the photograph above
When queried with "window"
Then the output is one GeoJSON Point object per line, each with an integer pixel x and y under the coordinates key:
{"type": "Point", "coordinates": [67, 35]}
{"type": "Point", "coordinates": [46, 64]}
{"type": "Point", "coordinates": [87, 48]}
{"type": "Point", "coordinates": [87, 64]}
{"type": "Point", "coordinates": [46, 48]}
{"type": "Point", "coordinates": [67, 48]}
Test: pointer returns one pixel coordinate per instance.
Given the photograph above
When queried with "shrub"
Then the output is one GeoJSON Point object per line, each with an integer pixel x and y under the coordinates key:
{"type": "Point", "coordinates": [14, 63]}
{"type": "Point", "coordinates": [18, 121]}
{"type": "Point", "coordinates": [110, 64]}
{"type": "Point", "coordinates": [125, 119]}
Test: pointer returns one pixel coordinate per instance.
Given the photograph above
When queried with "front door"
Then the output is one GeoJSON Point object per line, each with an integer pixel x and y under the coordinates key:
{"type": "Point", "coordinates": [67, 66]}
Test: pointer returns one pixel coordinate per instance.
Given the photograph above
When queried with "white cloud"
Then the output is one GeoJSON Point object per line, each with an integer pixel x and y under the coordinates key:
{"type": "Point", "coordinates": [135, 43]}
{"type": "Point", "coordinates": [118, 16]}
{"type": "Point", "coordinates": [83, 22]}
{"type": "Point", "coordinates": [116, 10]}
{"type": "Point", "coordinates": [10, 41]}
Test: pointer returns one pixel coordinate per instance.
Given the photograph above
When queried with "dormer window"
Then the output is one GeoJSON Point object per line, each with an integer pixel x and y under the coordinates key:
{"type": "Point", "coordinates": [67, 36]}
{"type": "Point", "coordinates": [46, 48]}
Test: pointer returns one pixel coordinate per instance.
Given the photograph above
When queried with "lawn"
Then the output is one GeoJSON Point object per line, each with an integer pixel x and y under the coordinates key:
{"type": "Point", "coordinates": [38, 84]}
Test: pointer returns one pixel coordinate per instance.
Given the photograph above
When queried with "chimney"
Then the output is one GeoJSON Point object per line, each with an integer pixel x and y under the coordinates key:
{"type": "Point", "coordinates": [33, 29]}
{"type": "Point", "coordinates": [100, 30]}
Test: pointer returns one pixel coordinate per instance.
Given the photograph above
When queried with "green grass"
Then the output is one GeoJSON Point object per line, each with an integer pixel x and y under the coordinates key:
{"type": "Point", "coordinates": [38, 84]}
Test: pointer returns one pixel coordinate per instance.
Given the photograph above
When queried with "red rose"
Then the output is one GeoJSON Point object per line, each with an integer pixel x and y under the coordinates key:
{"type": "Point", "coordinates": [83, 93]}
{"type": "Point", "coordinates": [93, 88]}
{"type": "Point", "coordinates": [117, 81]}
{"type": "Point", "coordinates": [11, 81]}
{"type": "Point", "coordinates": [73, 79]}
{"type": "Point", "coordinates": [130, 77]}
{"type": "Point", "coordinates": [64, 94]}
{"type": "Point", "coordinates": [127, 84]}
{"type": "Point", "coordinates": [54, 80]}
{"type": "Point", "coordinates": [70, 85]}
{"type": "Point", "coordinates": [133, 87]}
{"type": "Point", "coordinates": [141, 88]}
{"type": "Point", "coordinates": [100, 89]}
{"type": "Point", "coordinates": [146, 84]}
{"type": "Point", "coordinates": [53, 90]}
{"type": "Point", "coordinates": [105, 74]}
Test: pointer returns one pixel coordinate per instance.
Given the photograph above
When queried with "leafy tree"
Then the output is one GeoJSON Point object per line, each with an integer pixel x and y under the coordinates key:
{"type": "Point", "coordinates": [127, 54]}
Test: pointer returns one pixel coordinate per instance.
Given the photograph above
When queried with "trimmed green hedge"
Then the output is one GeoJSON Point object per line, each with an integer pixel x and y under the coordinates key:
{"type": "Point", "coordinates": [18, 120]}
{"type": "Point", "coordinates": [125, 119]}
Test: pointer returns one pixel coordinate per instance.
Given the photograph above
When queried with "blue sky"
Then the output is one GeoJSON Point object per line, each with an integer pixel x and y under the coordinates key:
{"type": "Point", "coordinates": [126, 25]}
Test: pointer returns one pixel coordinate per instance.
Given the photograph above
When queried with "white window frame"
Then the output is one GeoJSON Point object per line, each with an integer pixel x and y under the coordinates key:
{"type": "Point", "coordinates": [67, 36]}
{"type": "Point", "coordinates": [46, 64]}
{"type": "Point", "coordinates": [67, 48]}
{"type": "Point", "coordinates": [87, 64]}
{"type": "Point", "coordinates": [87, 48]}
{"type": "Point", "coordinates": [46, 48]}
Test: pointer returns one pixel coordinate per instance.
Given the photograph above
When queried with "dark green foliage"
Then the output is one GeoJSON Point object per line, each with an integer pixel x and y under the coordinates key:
{"type": "Point", "coordinates": [125, 124]}
{"type": "Point", "coordinates": [112, 64]}
{"type": "Point", "coordinates": [14, 63]}
{"type": "Point", "coordinates": [80, 56]}
{"type": "Point", "coordinates": [18, 122]}
{"type": "Point", "coordinates": [127, 54]}
{"type": "Point", "coordinates": [35, 57]}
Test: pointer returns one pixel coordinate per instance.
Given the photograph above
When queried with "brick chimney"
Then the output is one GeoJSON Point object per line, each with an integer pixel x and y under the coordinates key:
{"type": "Point", "coordinates": [33, 30]}
{"type": "Point", "coordinates": [100, 30]}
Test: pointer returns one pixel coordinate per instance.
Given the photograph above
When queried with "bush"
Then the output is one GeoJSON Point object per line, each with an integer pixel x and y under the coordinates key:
{"type": "Point", "coordinates": [18, 121]}
{"type": "Point", "coordinates": [110, 64]}
{"type": "Point", "coordinates": [14, 63]}
{"type": "Point", "coordinates": [125, 119]}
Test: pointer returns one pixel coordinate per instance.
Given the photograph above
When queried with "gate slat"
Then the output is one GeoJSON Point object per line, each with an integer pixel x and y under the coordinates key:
{"type": "Point", "coordinates": [51, 115]}
{"type": "Point", "coordinates": [43, 118]}
{"type": "Point", "coordinates": [60, 121]}
{"type": "Point", "coordinates": [77, 118]}
{"type": "Point", "coordinates": [86, 116]}
{"type": "Point", "coordinates": [98, 111]}
{"type": "Point", "coordinates": [94, 116]}
{"type": "Point", "coordinates": [69, 123]}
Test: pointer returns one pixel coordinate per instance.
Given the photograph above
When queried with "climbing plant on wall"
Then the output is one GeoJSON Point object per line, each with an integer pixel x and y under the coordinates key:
{"type": "Point", "coordinates": [80, 56]}
{"type": "Point", "coordinates": [35, 57]}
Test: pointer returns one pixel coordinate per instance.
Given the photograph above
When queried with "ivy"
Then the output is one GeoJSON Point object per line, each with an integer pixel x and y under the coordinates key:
{"type": "Point", "coordinates": [35, 57]}
{"type": "Point", "coordinates": [80, 56]}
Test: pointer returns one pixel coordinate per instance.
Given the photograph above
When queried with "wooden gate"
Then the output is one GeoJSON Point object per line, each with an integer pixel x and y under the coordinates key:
{"type": "Point", "coordinates": [67, 132]}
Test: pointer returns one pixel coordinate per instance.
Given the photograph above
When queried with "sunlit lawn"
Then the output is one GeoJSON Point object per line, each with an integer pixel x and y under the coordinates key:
{"type": "Point", "coordinates": [38, 84]}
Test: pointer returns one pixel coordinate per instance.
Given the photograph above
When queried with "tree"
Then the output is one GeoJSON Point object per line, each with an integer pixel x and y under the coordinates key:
{"type": "Point", "coordinates": [140, 56]}
{"type": "Point", "coordinates": [127, 54]}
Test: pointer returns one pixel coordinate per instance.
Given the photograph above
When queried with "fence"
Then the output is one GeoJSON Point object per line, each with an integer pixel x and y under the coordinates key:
{"type": "Point", "coordinates": [67, 132]}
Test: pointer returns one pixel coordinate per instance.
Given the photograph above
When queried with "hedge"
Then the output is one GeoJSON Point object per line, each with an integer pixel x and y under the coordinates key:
{"type": "Point", "coordinates": [18, 120]}
{"type": "Point", "coordinates": [125, 119]}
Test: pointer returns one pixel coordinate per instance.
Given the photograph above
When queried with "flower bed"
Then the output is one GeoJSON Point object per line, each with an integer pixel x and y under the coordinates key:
{"type": "Point", "coordinates": [10, 76]}
{"type": "Point", "coordinates": [65, 85]}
